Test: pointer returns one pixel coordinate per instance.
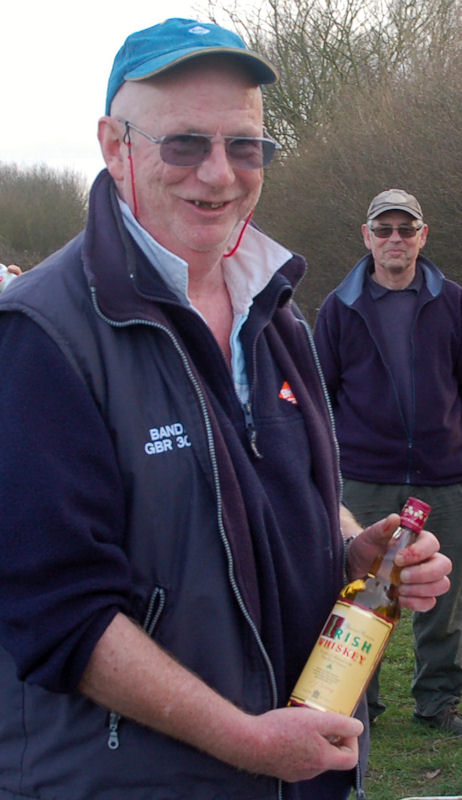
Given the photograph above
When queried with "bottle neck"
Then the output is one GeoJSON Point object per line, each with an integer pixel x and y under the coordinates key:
{"type": "Point", "coordinates": [384, 567]}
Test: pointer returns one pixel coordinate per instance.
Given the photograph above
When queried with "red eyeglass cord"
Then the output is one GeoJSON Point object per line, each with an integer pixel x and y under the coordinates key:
{"type": "Point", "coordinates": [135, 203]}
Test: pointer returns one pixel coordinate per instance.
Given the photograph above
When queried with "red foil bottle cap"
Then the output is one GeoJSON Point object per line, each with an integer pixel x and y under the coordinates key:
{"type": "Point", "coordinates": [415, 514]}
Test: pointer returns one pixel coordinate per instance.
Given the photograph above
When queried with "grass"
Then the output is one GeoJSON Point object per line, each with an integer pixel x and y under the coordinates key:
{"type": "Point", "coordinates": [408, 759]}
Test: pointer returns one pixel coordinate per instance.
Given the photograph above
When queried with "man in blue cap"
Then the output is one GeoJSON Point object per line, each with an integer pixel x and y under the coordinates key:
{"type": "Point", "coordinates": [180, 547]}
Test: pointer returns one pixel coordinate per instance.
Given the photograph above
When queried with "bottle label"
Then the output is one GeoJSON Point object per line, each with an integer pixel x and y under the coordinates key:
{"type": "Point", "coordinates": [343, 659]}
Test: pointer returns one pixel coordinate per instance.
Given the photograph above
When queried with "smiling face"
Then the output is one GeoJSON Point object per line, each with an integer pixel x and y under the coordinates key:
{"type": "Point", "coordinates": [189, 210]}
{"type": "Point", "coordinates": [395, 258]}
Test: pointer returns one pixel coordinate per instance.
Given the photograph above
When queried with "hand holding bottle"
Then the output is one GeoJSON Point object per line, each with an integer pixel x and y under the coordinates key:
{"type": "Point", "coordinates": [295, 745]}
{"type": "Point", "coordinates": [424, 573]}
{"type": "Point", "coordinates": [358, 629]}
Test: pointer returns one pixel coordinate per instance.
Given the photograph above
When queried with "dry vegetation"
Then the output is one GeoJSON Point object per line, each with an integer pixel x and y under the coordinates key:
{"type": "Point", "coordinates": [369, 97]}
{"type": "Point", "coordinates": [40, 210]}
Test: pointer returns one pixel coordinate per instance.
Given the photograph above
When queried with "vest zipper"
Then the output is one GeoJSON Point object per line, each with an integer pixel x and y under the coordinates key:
{"type": "Point", "coordinates": [113, 740]}
{"type": "Point", "coordinates": [250, 429]}
{"type": "Point", "coordinates": [326, 398]}
{"type": "Point", "coordinates": [152, 615]}
{"type": "Point", "coordinates": [216, 479]}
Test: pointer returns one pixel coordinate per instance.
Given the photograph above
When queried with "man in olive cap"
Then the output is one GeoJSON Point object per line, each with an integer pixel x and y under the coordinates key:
{"type": "Point", "coordinates": [390, 343]}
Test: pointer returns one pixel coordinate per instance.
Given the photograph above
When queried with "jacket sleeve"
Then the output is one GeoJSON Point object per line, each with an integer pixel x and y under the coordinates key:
{"type": "Point", "coordinates": [63, 573]}
{"type": "Point", "coordinates": [327, 346]}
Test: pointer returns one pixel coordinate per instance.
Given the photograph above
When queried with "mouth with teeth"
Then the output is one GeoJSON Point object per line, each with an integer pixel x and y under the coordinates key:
{"type": "Point", "coordinates": [204, 204]}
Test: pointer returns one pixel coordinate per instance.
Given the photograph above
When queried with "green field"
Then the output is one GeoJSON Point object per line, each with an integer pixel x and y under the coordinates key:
{"type": "Point", "coordinates": [408, 759]}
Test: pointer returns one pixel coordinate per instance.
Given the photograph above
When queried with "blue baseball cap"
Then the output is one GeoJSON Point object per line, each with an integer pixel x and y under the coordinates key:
{"type": "Point", "coordinates": [154, 50]}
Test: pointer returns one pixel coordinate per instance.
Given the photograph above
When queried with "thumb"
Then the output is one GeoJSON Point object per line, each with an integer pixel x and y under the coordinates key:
{"type": "Point", "coordinates": [381, 532]}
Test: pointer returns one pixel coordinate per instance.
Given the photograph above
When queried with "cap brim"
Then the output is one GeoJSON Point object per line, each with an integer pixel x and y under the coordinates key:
{"type": "Point", "coordinates": [261, 68]}
{"type": "Point", "coordinates": [395, 207]}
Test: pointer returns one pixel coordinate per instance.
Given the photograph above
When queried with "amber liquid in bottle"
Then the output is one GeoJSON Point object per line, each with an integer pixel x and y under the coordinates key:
{"type": "Point", "coordinates": [359, 627]}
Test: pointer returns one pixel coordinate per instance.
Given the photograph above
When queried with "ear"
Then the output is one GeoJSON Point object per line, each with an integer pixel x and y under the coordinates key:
{"type": "Point", "coordinates": [110, 137]}
{"type": "Point", "coordinates": [423, 236]}
{"type": "Point", "coordinates": [366, 235]}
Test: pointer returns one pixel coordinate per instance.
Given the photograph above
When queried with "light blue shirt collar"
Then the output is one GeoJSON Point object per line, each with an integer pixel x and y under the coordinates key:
{"type": "Point", "coordinates": [246, 274]}
{"type": "Point", "coordinates": [172, 268]}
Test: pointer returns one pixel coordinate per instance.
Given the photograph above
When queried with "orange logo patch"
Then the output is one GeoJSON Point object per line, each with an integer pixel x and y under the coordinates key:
{"type": "Point", "coordinates": [286, 393]}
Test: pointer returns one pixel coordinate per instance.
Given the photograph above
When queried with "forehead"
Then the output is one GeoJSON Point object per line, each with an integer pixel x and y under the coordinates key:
{"type": "Point", "coordinates": [208, 95]}
{"type": "Point", "coordinates": [394, 217]}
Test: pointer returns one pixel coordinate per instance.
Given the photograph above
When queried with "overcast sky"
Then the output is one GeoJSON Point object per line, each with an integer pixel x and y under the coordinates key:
{"type": "Point", "coordinates": [55, 59]}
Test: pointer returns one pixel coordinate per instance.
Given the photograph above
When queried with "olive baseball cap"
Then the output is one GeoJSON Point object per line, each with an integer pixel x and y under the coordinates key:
{"type": "Point", "coordinates": [394, 200]}
{"type": "Point", "coordinates": [154, 50]}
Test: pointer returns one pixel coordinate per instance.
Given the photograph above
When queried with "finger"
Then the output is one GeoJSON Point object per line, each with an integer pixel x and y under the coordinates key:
{"type": "Point", "coordinates": [381, 532]}
{"type": "Point", "coordinates": [343, 751]}
{"type": "Point", "coordinates": [338, 725]}
{"type": "Point", "coordinates": [421, 604]}
{"type": "Point", "coordinates": [433, 589]}
{"type": "Point", "coordinates": [425, 546]}
{"type": "Point", "coordinates": [433, 570]}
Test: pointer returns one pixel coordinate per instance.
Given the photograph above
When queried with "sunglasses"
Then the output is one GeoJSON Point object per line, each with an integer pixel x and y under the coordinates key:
{"type": "Point", "coordinates": [385, 231]}
{"type": "Point", "coordinates": [191, 149]}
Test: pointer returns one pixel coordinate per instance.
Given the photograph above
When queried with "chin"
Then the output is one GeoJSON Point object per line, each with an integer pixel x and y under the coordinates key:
{"type": "Point", "coordinates": [397, 269]}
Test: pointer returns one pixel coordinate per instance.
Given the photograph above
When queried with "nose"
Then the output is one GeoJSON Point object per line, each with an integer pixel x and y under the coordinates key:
{"type": "Point", "coordinates": [396, 236]}
{"type": "Point", "coordinates": [216, 169]}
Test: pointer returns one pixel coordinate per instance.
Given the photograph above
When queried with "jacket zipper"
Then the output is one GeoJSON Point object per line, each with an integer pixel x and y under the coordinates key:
{"type": "Point", "coordinates": [251, 429]}
{"type": "Point", "coordinates": [408, 433]}
{"type": "Point", "coordinates": [150, 622]}
{"type": "Point", "coordinates": [113, 739]}
{"type": "Point", "coordinates": [359, 791]}
{"type": "Point", "coordinates": [216, 479]}
{"type": "Point", "coordinates": [326, 395]}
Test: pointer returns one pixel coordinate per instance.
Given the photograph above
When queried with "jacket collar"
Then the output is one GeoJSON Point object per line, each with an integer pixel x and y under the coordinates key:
{"type": "Point", "coordinates": [122, 276]}
{"type": "Point", "coordinates": [350, 289]}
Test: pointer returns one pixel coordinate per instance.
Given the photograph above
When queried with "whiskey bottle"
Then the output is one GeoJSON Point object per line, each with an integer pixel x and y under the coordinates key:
{"type": "Point", "coordinates": [359, 627]}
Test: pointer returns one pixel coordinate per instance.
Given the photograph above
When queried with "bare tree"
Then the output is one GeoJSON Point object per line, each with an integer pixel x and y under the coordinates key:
{"type": "Point", "coordinates": [368, 98]}
{"type": "Point", "coordinates": [322, 46]}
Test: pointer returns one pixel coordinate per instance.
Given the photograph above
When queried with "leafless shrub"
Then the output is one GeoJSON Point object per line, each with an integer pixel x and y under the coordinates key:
{"type": "Point", "coordinates": [40, 209]}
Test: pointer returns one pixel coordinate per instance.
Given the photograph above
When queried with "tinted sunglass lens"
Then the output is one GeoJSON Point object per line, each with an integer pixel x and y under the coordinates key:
{"type": "Point", "coordinates": [190, 150]}
{"type": "Point", "coordinates": [184, 151]}
{"type": "Point", "coordinates": [245, 153]}
{"type": "Point", "coordinates": [407, 231]}
{"type": "Point", "coordinates": [251, 153]}
{"type": "Point", "coordinates": [385, 231]}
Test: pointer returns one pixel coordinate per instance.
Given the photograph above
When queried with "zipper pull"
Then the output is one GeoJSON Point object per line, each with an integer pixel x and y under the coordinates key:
{"type": "Point", "coordinates": [251, 430]}
{"type": "Point", "coordinates": [113, 740]}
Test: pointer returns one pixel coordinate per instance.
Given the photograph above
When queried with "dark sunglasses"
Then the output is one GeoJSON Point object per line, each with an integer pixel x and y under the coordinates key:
{"type": "Point", "coordinates": [191, 149]}
{"type": "Point", "coordinates": [385, 231]}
